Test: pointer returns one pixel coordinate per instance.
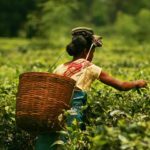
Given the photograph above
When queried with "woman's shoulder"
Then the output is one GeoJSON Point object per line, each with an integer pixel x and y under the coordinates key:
{"type": "Point", "coordinates": [59, 68]}
{"type": "Point", "coordinates": [77, 61]}
{"type": "Point", "coordinates": [84, 61]}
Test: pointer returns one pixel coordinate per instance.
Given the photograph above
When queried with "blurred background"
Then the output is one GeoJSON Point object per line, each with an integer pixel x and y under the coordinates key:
{"type": "Point", "coordinates": [52, 20]}
{"type": "Point", "coordinates": [34, 34]}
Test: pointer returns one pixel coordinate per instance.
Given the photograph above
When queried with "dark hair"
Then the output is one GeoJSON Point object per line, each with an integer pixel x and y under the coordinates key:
{"type": "Point", "coordinates": [78, 44]}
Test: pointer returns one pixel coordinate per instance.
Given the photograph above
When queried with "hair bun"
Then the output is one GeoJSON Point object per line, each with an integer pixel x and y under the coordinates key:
{"type": "Point", "coordinates": [70, 49]}
{"type": "Point", "coordinates": [79, 41]}
{"type": "Point", "coordinates": [77, 45]}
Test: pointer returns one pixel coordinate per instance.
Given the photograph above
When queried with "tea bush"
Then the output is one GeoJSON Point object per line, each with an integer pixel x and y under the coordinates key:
{"type": "Point", "coordinates": [115, 120]}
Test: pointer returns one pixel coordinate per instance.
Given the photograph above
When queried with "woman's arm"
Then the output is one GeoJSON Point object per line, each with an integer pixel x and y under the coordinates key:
{"type": "Point", "coordinates": [121, 85]}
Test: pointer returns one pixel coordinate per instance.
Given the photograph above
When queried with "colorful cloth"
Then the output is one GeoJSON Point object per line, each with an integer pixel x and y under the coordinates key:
{"type": "Point", "coordinates": [79, 100]}
{"type": "Point", "coordinates": [82, 71]}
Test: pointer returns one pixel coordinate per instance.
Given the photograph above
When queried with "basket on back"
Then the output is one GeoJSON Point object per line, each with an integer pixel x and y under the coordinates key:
{"type": "Point", "coordinates": [41, 98]}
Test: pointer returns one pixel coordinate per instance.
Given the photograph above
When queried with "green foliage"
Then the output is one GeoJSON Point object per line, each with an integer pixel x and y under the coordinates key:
{"type": "Point", "coordinates": [115, 120]}
{"type": "Point", "coordinates": [125, 25]}
{"type": "Point", "coordinates": [13, 15]}
{"type": "Point", "coordinates": [133, 26]}
{"type": "Point", "coordinates": [10, 136]}
{"type": "Point", "coordinates": [100, 13]}
{"type": "Point", "coordinates": [143, 19]}
{"type": "Point", "coordinates": [52, 20]}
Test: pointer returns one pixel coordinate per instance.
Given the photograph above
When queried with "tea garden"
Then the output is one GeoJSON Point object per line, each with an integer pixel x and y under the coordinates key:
{"type": "Point", "coordinates": [115, 120]}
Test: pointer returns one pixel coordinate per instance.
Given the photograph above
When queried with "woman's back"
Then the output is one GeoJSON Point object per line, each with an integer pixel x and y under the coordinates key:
{"type": "Point", "coordinates": [81, 70]}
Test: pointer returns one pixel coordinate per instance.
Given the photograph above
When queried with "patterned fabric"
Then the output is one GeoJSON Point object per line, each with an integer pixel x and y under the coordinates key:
{"type": "Point", "coordinates": [82, 71]}
{"type": "Point", "coordinates": [79, 99]}
{"type": "Point", "coordinates": [75, 67]}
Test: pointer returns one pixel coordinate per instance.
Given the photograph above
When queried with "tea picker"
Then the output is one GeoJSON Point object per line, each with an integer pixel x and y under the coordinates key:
{"type": "Point", "coordinates": [42, 96]}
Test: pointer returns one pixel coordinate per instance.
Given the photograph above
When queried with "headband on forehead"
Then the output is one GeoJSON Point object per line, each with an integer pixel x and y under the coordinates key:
{"type": "Point", "coordinates": [87, 32]}
{"type": "Point", "coordinates": [82, 31]}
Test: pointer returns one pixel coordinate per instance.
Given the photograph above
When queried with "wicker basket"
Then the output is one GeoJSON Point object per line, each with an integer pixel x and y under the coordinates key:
{"type": "Point", "coordinates": [41, 98]}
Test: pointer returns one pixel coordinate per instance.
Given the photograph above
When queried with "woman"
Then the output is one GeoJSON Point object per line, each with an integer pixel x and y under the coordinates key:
{"type": "Point", "coordinates": [84, 72]}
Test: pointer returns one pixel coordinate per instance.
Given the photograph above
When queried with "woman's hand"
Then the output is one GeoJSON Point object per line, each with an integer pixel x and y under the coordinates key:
{"type": "Point", "coordinates": [141, 83]}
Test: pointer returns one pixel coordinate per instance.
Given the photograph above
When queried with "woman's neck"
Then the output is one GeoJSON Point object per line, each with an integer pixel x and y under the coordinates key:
{"type": "Point", "coordinates": [77, 57]}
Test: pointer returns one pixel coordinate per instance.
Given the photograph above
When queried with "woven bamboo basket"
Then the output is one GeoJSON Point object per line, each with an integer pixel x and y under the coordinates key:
{"type": "Point", "coordinates": [41, 98]}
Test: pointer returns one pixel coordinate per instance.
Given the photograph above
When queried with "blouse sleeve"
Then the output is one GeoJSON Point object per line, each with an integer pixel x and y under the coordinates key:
{"type": "Point", "coordinates": [96, 71]}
